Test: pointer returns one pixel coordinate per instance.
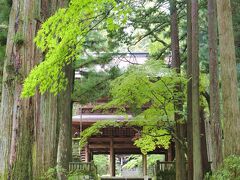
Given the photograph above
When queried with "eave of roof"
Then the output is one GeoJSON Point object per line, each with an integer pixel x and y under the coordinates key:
{"type": "Point", "coordinates": [100, 117]}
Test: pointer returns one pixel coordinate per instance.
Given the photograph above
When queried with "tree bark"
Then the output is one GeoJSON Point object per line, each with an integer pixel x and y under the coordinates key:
{"type": "Point", "coordinates": [7, 100]}
{"type": "Point", "coordinates": [16, 113]}
{"type": "Point", "coordinates": [205, 162]}
{"type": "Point", "coordinates": [231, 122]}
{"type": "Point", "coordinates": [176, 63]}
{"type": "Point", "coordinates": [64, 154]}
{"type": "Point", "coordinates": [216, 130]}
{"type": "Point", "coordinates": [46, 133]}
{"type": "Point", "coordinates": [30, 127]}
{"type": "Point", "coordinates": [47, 120]}
{"type": "Point", "coordinates": [197, 161]}
{"type": "Point", "coordinates": [189, 91]}
{"type": "Point", "coordinates": [4, 17]}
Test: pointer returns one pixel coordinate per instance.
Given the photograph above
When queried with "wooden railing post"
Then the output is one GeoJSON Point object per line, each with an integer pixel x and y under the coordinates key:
{"type": "Point", "coordinates": [157, 167]}
{"type": "Point", "coordinates": [112, 159]}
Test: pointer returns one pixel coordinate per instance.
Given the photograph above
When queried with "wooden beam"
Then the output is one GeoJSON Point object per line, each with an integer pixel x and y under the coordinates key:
{"type": "Point", "coordinates": [115, 139]}
{"type": "Point", "coordinates": [115, 146]}
{"type": "Point", "coordinates": [112, 159]}
{"type": "Point", "coordinates": [117, 151]}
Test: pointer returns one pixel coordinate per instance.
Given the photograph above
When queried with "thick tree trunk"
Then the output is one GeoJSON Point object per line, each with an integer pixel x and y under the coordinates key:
{"type": "Point", "coordinates": [47, 122]}
{"type": "Point", "coordinates": [176, 63]}
{"type": "Point", "coordinates": [197, 161]}
{"type": "Point", "coordinates": [231, 124]}
{"type": "Point", "coordinates": [216, 130]}
{"type": "Point", "coordinates": [189, 92]}
{"type": "Point", "coordinates": [16, 113]}
{"type": "Point", "coordinates": [64, 154]}
{"type": "Point", "coordinates": [30, 127]}
{"type": "Point", "coordinates": [46, 133]}
{"type": "Point", "coordinates": [7, 101]}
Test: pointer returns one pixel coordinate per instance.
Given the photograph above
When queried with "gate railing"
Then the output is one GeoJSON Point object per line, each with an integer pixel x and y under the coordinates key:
{"type": "Point", "coordinates": [82, 166]}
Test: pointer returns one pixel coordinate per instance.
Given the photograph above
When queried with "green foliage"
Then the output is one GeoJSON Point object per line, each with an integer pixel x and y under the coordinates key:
{"type": "Point", "coordinates": [94, 69]}
{"type": "Point", "coordinates": [230, 170]}
{"type": "Point", "coordinates": [151, 138]}
{"type": "Point", "coordinates": [82, 175]}
{"type": "Point", "coordinates": [97, 49]}
{"type": "Point", "coordinates": [136, 161]}
{"type": "Point", "coordinates": [151, 85]}
{"type": "Point", "coordinates": [133, 161]}
{"type": "Point", "coordinates": [96, 129]}
{"type": "Point", "coordinates": [93, 85]}
{"type": "Point", "coordinates": [4, 14]}
{"type": "Point", "coordinates": [156, 46]}
{"type": "Point", "coordinates": [62, 37]}
{"type": "Point", "coordinates": [101, 161]}
{"type": "Point", "coordinates": [51, 174]}
{"type": "Point", "coordinates": [148, 20]}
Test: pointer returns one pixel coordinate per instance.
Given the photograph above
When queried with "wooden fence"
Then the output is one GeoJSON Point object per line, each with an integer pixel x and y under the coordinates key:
{"type": "Point", "coordinates": [82, 166]}
{"type": "Point", "coordinates": [82, 171]}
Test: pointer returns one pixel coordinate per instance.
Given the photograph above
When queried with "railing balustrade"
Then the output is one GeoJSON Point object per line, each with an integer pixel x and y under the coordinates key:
{"type": "Point", "coordinates": [82, 166]}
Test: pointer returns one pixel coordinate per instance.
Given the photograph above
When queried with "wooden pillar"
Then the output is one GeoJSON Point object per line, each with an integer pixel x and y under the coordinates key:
{"type": "Point", "coordinates": [90, 156]}
{"type": "Point", "coordinates": [112, 159]}
{"type": "Point", "coordinates": [144, 160]}
{"type": "Point", "coordinates": [166, 155]}
{"type": "Point", "coordinates": [170, 153]}
{"type": "Point", "coordinates": [157, 168]}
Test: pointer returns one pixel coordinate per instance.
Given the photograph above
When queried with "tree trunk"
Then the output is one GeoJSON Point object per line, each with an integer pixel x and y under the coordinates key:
{"type": "Point", "coordinates": [205, 162]}
{"type": "Point", "coordinates": [197, 162]}
{"type": "Point", "coordinates": [176, 63]}
{"type": "Point", "coordinates": [46, 133]}
{"type": "Point", "coordinates": [4, 17]}
{"type": "Point", "coordinates": [47, 121]}
{"type": "Point", "coordinates": [64, 154]}
{"type": "Point", "coordinates": [216, 130]}
{"type": "Point", "coordinates": [189, 92]}
{"type": "Point", "coordinates": [16, 113]}
{"type": "Point", "coordinates": [231, 122]}
{"type": "Point", "coordinates": [30, 127]}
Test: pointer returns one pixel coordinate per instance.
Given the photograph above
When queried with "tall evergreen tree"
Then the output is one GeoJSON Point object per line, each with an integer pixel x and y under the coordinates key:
{"type": "Point", "coordinates": [231, 122]}
{"type": "Point", "coordinates": [216, 129]}
{"type": "Point", "coordinates": [197, 160]}
{"type": "Point", "coordinates": [189, 91]}
{"type": "Point", "coordinates": [180, 126]}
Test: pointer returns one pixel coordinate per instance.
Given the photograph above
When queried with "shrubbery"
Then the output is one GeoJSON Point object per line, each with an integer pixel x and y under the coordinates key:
{"type": "Point", "coordinates": [51, 174]}
{"type": "Point", "coordinates": [230, 170]}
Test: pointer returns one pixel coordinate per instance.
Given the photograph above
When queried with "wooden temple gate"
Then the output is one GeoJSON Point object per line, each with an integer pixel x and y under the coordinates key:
{"type": "Point", "coordinates": [112, 140]}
